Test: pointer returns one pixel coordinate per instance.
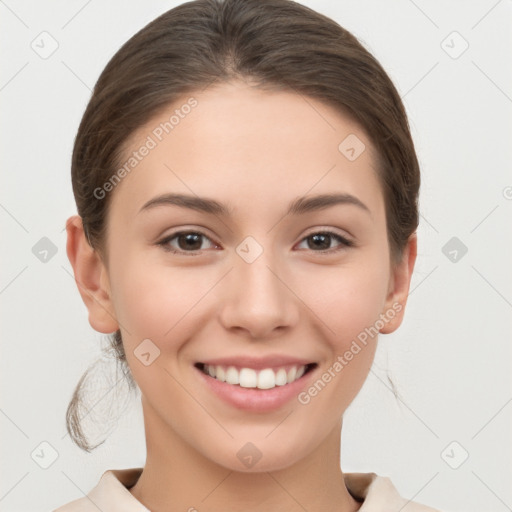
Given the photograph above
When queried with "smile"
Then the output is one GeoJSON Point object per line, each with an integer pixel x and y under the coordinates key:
{"type": "Point", "coordinates": [264, 378]}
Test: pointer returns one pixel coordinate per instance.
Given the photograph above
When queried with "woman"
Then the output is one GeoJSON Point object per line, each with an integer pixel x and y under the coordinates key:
{"type": "Point", "coordinates": [247, 190]}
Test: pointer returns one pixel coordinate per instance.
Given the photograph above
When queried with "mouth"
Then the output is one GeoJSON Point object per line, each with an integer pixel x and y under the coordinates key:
{"type": "Point", "coordinates": [256, 378]}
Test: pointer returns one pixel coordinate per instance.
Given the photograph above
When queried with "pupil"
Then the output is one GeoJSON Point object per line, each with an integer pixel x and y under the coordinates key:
{"type": "Point", "coordinates": [323, 239]}
{"type": "Point", "coordinates": [192, 241]}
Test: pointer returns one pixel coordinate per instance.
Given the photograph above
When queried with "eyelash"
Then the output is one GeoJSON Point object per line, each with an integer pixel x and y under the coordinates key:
{"type": "Point", "coordinates": [345, 243]}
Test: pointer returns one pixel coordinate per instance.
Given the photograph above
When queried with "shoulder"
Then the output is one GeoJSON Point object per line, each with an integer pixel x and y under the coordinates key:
{"type": "Point", "coordinates": [380, 495]}
{"type": "Point", "coordinates": [110, 494]}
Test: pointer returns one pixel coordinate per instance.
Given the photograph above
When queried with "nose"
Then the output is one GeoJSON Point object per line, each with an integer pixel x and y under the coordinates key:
{"type": "Point", "coordinates": [257, 298]}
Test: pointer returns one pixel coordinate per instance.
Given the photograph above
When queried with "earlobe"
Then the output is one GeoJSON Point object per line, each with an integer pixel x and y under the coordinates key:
{"type": "Point", "coordinates": [400, 281]}
{"type": "Point", "coordinates": [91, 277]}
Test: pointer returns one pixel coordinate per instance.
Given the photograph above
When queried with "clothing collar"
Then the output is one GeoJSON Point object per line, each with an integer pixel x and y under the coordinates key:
{"type": "Point", "coordinates": [111, 493]}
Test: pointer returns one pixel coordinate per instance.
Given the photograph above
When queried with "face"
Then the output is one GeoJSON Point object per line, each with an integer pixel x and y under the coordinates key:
{"type": "Point", "coordinates": [252, 284]}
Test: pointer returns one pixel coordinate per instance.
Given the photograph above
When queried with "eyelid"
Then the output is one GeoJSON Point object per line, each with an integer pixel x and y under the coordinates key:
{"type": "Point", "coordinates": [170, 232]}
{"type": "Point", "coordinates": [330, 230]}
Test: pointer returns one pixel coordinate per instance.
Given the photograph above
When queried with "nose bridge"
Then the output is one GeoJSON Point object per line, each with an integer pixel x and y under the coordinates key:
{"type": "Point", "coordinates": [258, 299]}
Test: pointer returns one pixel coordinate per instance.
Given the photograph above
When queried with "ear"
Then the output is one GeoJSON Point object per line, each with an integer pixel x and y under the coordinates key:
{"type": "Point", "coordinates": [91, 277]}
{"type": "Point", "coordinates": [399, 282]}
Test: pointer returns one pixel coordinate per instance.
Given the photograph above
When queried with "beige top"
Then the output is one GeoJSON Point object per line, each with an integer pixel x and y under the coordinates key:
{"type": "Point", "coordinates": [111, 494]}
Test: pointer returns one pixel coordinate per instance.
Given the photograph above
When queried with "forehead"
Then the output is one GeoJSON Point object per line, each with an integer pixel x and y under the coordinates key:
{"type": "Point", "coordinates": [247, 147]}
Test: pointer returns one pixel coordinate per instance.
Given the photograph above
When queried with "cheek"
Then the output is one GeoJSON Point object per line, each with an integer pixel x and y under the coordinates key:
{"type": "Point", "coordinates": [153, 300]}
{"type": "Point", "coordinates": [346, 299]}
{"type": "Point", "coordinates": [348, 305]}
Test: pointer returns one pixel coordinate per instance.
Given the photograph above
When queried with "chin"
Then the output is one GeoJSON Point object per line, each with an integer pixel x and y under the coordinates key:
{"type": "Point", "coordinates": [258, 456]}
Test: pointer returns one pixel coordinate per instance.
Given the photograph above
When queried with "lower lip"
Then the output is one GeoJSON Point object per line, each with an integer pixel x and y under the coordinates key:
{"type": "Point", "coordinates": [254, 399]}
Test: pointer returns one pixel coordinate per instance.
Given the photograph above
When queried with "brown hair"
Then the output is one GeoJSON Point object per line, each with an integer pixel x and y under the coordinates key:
{"type": "Point", "coordinates": [277, 44]}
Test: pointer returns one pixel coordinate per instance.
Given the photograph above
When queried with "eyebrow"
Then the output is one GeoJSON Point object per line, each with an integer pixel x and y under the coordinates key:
{"type": "Point", "coordinates": [299, 206]}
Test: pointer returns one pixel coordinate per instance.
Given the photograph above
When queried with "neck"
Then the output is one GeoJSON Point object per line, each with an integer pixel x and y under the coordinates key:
{"type": "Point", "coordinates": [178, 478]}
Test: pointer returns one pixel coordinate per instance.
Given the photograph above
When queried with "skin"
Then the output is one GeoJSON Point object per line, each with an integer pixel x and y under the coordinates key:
{"type": "Point", "coordinates": [291, 300]}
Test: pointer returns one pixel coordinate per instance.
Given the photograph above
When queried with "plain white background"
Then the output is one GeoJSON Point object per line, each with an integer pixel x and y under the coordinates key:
{"type": "Point", "coordinates": [451, 359]}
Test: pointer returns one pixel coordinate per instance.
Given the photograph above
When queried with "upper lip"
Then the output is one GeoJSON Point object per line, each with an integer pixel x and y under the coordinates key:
{"type": "Point", "coordinates": [258, 363]}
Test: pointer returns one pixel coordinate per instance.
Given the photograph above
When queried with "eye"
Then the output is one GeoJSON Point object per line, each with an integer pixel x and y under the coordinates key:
{"type": "Point", "coordinates": [322, 240]}
{"type": "Point", "coordinates": [188, 242]}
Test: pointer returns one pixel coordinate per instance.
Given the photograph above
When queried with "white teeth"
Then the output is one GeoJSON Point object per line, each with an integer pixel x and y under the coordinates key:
{"type": "Point", "coordinates": [232, 376]}
{"type": "Point", "coordinates": [266, 379]}
{"type": "Point", "coordinates": [250, 378]}
{"type": "Point", "coordinates": [221, 374]}
{"type": "Point", "coordinates": [281, 377]}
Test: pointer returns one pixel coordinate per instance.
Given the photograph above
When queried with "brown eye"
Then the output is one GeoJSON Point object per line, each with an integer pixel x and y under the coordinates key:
{"type": "Point", "coordinates": [187, 242]}
{"type": "Point", "coordinates": [321, 241]}
{"type": "Point", "coordinates": [190, 241]}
